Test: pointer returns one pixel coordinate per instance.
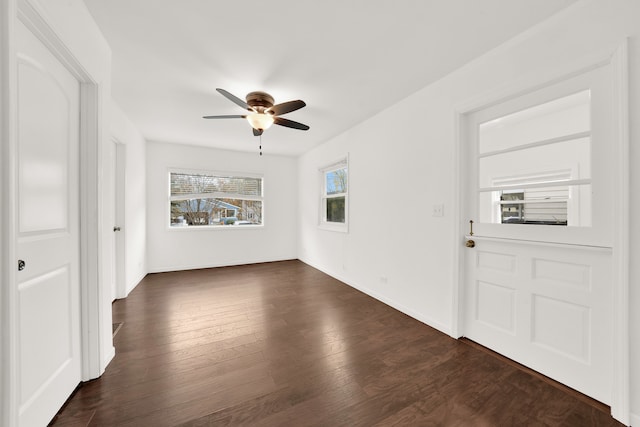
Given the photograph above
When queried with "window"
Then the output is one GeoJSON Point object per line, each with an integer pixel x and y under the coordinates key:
{"type": "Point", "coordinates": [334, 196]}
{"type": "Point", "coordinates": [214, 200]}
{"type": "Point", "coordinates": [534, 165]}
{"type": "Point", "coordinates": [534, 205]}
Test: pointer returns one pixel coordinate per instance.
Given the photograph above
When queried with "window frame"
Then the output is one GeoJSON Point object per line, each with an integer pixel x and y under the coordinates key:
{"type": "Point", "coordinates": [214, 173]}
{"type": "Point", "coordinates": [322, 214]}
{"type": "Point", "coordinates": [596, 79]}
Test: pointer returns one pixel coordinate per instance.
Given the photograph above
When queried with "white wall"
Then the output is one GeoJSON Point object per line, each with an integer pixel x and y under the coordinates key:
{"type": "Point", "coordinates": [402, 163]}
{"type": "Point", "coordinates": [135, 216]}
{"type": "Point", "coordinates": [170, 249]}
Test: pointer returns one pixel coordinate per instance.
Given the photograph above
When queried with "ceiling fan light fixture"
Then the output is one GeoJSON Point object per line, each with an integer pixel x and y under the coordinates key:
{"type": "Point", "coordinates": [263, 112]}
{"type": "Point", "coordinates": [260, 121]}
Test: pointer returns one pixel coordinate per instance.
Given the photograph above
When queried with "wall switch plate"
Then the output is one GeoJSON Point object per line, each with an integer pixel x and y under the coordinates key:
{"type": "Point", "coordinates": [438, 210]}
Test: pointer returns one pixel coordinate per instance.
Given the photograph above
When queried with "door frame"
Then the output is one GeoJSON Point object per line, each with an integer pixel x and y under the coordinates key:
{"type": "Point", "coordinates": [33, 17]}
{"type": "Point", "coordinates": [618, 60]}
{"type": "Point", "coordinates": [119, 179]}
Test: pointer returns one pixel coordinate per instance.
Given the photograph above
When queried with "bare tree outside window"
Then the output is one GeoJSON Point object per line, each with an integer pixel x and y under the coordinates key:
{"type": "Point", "coordinates": [214, 200]}
{"type": "Point", "coordinates": [334, 197]}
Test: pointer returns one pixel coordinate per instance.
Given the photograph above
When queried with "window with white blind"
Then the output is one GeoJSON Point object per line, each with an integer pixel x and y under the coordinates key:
{"type": "Point", "coordinates": [334, 201]}
{"type": "Point", "coordinates": [533, 205]}
{"type": "Point", "coordinates": [209, 199]}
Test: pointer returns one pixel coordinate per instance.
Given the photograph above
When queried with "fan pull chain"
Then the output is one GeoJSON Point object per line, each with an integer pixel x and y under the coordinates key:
{"type": "Point", "coordinates": [261, 144]}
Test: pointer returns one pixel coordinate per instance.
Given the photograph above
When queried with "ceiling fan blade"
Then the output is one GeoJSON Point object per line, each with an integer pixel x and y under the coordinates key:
{"type": "Point", "coordinates": [235, 99]}
{"type": "Point", "coordinates": [289, 123]}
{"type": "Point", "coordinates": [286, 107]}
{"type": "Point", "coordinates": [257, 132]}
{"type": "Point", "coordinates": [234, 116]}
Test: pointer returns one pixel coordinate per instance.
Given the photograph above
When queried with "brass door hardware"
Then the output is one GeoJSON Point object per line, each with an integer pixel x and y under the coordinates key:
{"type": "Point", "coordinates": [470, 243]}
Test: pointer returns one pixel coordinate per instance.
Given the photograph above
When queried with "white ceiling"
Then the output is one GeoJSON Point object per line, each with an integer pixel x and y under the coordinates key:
{"type": "Point", "coordinates": [347, 59]}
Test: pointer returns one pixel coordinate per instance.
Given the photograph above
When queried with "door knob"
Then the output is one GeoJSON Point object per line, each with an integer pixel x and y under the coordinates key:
{"type": "Point", "coordinates": [116, 228]}
{"type": "Point", "coordinates": [21, 265]}
{"type": "Point", "coordinates": [470, 244]}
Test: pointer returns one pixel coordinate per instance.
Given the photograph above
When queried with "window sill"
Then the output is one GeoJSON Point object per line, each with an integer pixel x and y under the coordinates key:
{"type": "Point", "coordinates": [215, 227]}
{"type": "Point", "coordinates": [339, 228]}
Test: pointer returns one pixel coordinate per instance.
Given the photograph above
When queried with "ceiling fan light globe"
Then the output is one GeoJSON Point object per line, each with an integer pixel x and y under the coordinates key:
{"type": "Point", "coordinates": [260, 121]}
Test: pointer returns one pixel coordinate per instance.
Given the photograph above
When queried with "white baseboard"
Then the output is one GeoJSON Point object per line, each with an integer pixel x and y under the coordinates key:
{"type": "Point", "coordinates": [216, 265]}
{"type": "Point", "coordinates": [635, 420]}
{"type": "Point", "coordinates": [394, 304]}
{"type": "Point", "coordinates": [108, 357]}
{"type": "Point", "coordinates": [135, 282]}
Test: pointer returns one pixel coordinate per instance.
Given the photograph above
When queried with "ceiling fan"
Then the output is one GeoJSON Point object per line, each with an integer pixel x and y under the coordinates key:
{"type": "Point", "coordinates": [262, 111]}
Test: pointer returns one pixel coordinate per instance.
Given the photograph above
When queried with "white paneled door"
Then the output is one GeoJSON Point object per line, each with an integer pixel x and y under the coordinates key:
{"type": "Point", "coordinates": [539, 188]}
{"type": "Point", "coordinates": [547, 307]}
{"type": "Point", "coordinates": [47, 215]}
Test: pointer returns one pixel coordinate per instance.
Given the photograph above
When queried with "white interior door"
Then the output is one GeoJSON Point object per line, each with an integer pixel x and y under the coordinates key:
{"type": "Point", "coordinates": [538, 283]}
{"type": "Point", "coordinates": [47, 215]}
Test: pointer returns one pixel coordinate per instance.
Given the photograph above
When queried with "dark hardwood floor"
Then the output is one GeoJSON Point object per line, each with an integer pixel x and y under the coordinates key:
{"type": "Point", "coordinates": [282, 344]}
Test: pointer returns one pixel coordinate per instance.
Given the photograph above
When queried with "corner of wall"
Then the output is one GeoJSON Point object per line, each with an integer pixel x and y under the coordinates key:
{"type": "Point", "coordinates": [429, 321]}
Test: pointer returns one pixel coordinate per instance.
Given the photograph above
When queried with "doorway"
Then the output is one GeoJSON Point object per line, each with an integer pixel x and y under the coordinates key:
{"type": "Point", "coordinates": [53, 335]}
{"type": "Point", "coordinates": [48, 231]}
{"type": "Point", "coordinates": [118, 182]}
{"type": "Point", "coordinates": [539, 276]}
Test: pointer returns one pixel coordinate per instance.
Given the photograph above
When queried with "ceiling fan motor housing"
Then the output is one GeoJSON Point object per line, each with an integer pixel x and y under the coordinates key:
{"type": "Point", "coordinates": [260, 100]}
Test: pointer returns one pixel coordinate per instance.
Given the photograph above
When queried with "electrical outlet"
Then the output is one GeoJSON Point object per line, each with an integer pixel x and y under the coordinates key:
{"type": "Point", "coordinates": [438, 210]}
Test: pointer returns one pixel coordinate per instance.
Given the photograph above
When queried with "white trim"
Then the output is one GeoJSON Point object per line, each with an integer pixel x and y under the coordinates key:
{"type": "Point", "coordinates": [9, 401]}
{"type": "Point", "coordinates": [565, 183]}
{"type": "Point", "coordinates": [90, 279]}
{"type": "Point", "coordinates": [620, 401]}
{"type": "Point", "coordinates": [216, 227]}
{"type": "Point", "coordinates": [344, 162]}
{"type": "Point", "coordinates": [550, 141]}
{"type": "Point", "coordinates": [621, 393]}
{"type": "Point", "coordinates": [331, 226]}
{"type": "Point", "coordinates": [134, 283]}
{"type": "Point", "coordinates": [35, 19]}
{"type": "Point", "coordinates": [120, 217]}
{"type": "Point", "coordinates": [166, 269]}
{"type": "Point", "coordinates": [458, 209]}
{"type": "Point", "coordinates": [543, 177]}
{"type": "Point", "coordinates": [533, 82]}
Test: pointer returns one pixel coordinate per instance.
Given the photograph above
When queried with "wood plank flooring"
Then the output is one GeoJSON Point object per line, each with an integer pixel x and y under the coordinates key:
{"type": "Point", "coordinates": [282, 344]}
